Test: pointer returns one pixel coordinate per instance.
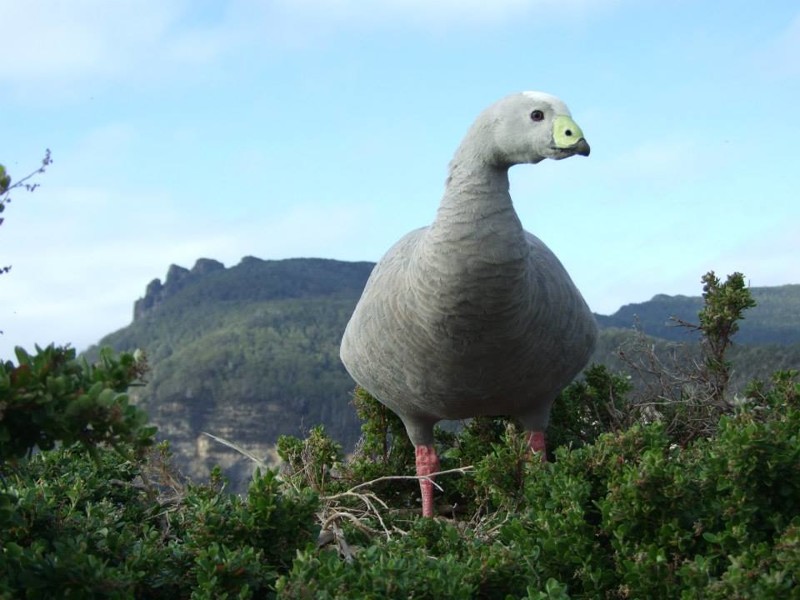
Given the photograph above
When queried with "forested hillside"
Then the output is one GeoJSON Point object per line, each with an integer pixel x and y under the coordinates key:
{"type": "Point", "coordinates": [247, 354]}
{"type": "Point", "coordinates": [250, 352]}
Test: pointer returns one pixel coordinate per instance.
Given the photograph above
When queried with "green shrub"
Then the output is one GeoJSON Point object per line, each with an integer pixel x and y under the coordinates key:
{"type": "Point", "coordinates": [631, 515]}
{"type": "Point", "coordinates": [52, 396]}
{"type": "Point", "coordinates": [85, 527]}
{"type": "Point", "coordinates": [595, 404]}
{"type": "Point", "coordinates": [88, 509]}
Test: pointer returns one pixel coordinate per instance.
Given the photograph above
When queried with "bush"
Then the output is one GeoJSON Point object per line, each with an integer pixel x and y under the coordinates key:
{"type": "Point", "coordinates": [596, 404]}
{"type": "Point", "coordinates": [88, 508]}
{"type": "Point", "coordinates": [79, 527]}
{"type": "Point", "coordinates": [631, 515]}
{"type": "Point", "coordinates": [52, 397]}
{"type": "Point", "coordinates": [689, 389]}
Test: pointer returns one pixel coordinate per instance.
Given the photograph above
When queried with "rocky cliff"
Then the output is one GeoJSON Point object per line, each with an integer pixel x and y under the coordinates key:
{"type": "Point", "coordinates": [177, 278]}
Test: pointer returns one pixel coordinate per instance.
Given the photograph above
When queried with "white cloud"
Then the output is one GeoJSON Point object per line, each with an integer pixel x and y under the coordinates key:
{"type": "Point", "coordinates": [443, 11]}
{"type": "Point", "coordinates": [415, 11]}
{"type": "Point", "coordinates": [68, 39]}
{"type": "Point", "coordinates": [57, 44]}
{"type": "Point", "coordinates": [80, 257]}
{"type": "Point", "coordinates": [781, 56]}
{"type": "Point", "coordinates": [309, 23]}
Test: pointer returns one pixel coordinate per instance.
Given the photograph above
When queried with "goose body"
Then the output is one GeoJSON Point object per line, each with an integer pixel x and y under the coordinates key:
{"type": "Point", "coordinates": [473, 315]}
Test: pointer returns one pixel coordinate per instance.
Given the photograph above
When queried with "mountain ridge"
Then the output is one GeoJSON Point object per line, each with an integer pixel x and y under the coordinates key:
{"type": "Point", "coordinates": [251, 352]}
{"type": "Point", "coordinates": [774, 320]}
{"type": "Point", "coordinates": [653, 316]}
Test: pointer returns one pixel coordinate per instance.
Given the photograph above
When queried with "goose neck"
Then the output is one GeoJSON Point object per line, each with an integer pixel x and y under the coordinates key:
{"type": "Point", "coordinates": [475, 193]}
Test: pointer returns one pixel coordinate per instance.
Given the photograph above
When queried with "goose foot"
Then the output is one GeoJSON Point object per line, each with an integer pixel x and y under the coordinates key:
{"type": "Point", "coordinates": [427, 463]}
{"type": "Point", "coordinates": [537, 444]}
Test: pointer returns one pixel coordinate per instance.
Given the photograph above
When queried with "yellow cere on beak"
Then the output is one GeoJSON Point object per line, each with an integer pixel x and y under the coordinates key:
{"type": "Point", "coordinates": [566, 132]}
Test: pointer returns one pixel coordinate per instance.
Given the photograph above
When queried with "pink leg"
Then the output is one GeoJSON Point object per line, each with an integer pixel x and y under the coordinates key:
{"type": "Point", "coordinates": [427, 463]}
{"type": "Point", "coordinates": [536, 443]}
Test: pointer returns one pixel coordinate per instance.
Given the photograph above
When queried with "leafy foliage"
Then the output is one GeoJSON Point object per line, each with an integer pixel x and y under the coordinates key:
{"type": "Point", "coordinates": [596, 404]}
{"type": "Point", "coordinates": [628, 515]}
{"type": "Point", "coordinates": [691, 390]}
{"type": "Point", "coordinates": [723, 309]}
{"type": "Point", "coordinates": [384, 450]}
{"type": "Point", "coordinates": [76, 527]}
{"type": "Point", "coordinates": [99, 517]}
{"type": "Point", "coordinates": [51, 396]}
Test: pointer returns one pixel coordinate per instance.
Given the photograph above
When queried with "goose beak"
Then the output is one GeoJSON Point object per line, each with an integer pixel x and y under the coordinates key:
{"type": "Point", "coordinates": [568, 137]}
{"type": "Point", "coordinates": [582, 147]}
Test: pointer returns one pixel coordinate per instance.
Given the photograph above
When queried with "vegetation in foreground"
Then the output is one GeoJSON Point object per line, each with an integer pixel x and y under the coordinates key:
{"type": "Point", "coordinates": [681, 493]}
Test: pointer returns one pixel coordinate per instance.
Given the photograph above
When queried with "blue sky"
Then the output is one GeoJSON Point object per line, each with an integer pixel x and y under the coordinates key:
{"type": "Point", "coordinates": [183, 129]}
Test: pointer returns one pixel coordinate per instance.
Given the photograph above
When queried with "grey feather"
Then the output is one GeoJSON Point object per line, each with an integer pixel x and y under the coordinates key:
{"type": "Point", "coordinates": [473, 315]}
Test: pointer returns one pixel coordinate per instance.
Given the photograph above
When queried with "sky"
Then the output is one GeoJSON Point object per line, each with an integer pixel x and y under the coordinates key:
{"type": "Point", "coordinates": [183, 129]}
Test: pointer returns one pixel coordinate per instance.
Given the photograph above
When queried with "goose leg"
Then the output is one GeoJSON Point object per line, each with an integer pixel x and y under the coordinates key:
{"type": "Point", "coordinates": [537, 444]}
{"type": "Point", "coordinates": [427, 463]}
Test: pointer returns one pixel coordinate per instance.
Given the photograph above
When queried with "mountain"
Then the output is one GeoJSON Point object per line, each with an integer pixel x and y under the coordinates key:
{"type": "Point", "coordinates": [251, 352]}
{"type": "Point", "coordinates": [247, 354]}
{"type": "Point", "coordinates": [774, 320]}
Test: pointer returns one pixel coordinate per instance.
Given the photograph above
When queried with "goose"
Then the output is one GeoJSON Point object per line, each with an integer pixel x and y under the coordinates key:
{"type": "Point", "coordinates": [473, 315]}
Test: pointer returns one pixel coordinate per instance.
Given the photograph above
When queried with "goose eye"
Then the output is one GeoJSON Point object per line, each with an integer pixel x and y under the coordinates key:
{"type": "Point", "coordinates": [537, 115]}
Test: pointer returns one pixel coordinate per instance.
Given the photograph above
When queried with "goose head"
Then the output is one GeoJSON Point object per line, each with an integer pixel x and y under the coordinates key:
{"type": "Point", "coordinates": [529, 127]}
